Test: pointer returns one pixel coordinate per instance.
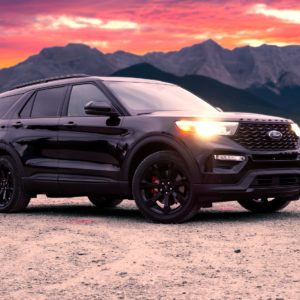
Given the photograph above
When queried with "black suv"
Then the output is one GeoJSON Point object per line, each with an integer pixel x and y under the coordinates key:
{"type": "Point", "coordinates": [115, 138]}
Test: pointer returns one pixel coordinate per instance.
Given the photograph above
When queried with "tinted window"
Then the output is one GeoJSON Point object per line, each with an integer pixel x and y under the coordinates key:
{"type": "Point", "coordinates": [6, 103]}
{"type": "Point", "coordinates": [81, 95]}
{"type": "Point", "coordinates": [47, 102]}
{"type": "Point", "coordinates": [26, 110]}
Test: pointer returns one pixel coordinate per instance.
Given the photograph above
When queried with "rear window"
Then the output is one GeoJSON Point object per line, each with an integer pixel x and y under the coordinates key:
{"type": "Point", "coordinates": [6, 103]}
{"type": "Point", "coordinates": [48, 102]}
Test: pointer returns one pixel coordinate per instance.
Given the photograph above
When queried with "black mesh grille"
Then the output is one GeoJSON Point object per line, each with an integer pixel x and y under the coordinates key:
{"type": "Point", "coordinates": [254, 136]}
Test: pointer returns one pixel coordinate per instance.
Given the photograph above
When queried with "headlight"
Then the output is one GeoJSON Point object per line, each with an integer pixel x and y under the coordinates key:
{"type": "Point", "coordinates": [295, 128]}
{"type": "Point", "coordinates": [208, 129]}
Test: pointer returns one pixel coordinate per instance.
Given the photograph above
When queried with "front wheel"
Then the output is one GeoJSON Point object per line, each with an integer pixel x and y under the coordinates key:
{"type": "Point", "coordinates": [162, 188]}
{"type": "Point", "coordinates": [264, 205]}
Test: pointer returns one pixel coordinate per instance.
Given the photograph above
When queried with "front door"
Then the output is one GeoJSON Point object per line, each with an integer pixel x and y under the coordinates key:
{"type": "Point", "coordinates": [90, 146]}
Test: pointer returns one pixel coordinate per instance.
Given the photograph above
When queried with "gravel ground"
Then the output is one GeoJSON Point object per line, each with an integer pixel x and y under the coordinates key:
{"type": "Point", "coordinates": [67, 249]}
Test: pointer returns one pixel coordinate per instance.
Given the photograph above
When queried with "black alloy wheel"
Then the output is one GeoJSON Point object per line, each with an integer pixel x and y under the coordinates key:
{"type": "Point", "coordinates": [162, 188]}
{"type": "Point", "coordinates": [6, 186]}
{"type": "Point", "coordinates": [265, 204]}
{"type": "Point", "coordinates": [13, 198]}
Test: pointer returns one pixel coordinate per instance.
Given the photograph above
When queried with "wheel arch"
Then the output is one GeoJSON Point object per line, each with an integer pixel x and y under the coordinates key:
{"type": "Point", "coordinates": [154, 144]}
{"type": "Point", "coordinates": [5, 150]}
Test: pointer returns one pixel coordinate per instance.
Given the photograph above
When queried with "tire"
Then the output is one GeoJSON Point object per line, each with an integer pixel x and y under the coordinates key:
{"type": "Point", "coordinates": [105, 202]}
{"type": "Point", "coordinates": [13, 198]}
{"type": "Point", "coordinates": [264, 205]}
{"type": "Point", "coordinates": [162, 189]}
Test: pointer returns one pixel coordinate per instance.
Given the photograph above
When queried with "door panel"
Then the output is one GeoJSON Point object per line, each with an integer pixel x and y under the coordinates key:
{"type": "Point", "coordinates": [90, 146]}
{"type": "Point", "coordinates": [35, 140]}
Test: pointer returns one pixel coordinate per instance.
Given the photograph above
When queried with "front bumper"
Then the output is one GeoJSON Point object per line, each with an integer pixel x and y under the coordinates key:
{"type": "Point", "coordinates": [260, 174]}
{"type": "Point", "coordinates": [254, 184]}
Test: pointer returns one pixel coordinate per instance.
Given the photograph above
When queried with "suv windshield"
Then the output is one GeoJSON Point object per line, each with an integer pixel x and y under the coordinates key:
{"type": "Point", "coordinates": [141, 97]}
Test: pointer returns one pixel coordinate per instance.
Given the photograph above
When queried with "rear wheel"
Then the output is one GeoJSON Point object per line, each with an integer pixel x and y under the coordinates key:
{"type": "Point", "coordinates": [162, 188]}
{"type": "Point", "coordinates": [13, 198]}
{"type": "Point", "coordinates": [264, 205]}
{"type": "Point", "coordinates": [105, 202]}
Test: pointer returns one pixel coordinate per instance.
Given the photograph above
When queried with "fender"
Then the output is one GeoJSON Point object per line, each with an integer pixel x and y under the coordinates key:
{"type": "Point", "coordinates": [14, 155]}
{"type": "Point", "coordinates": [163, 139]}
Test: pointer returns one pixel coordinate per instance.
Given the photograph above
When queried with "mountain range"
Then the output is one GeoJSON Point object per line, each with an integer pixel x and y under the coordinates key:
{"type": "Point", "coordinates": [263, 79]}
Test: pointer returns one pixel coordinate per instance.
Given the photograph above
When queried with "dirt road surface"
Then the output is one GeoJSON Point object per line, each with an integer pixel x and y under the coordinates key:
{"type": "Point", "coordinates": [67, 249]}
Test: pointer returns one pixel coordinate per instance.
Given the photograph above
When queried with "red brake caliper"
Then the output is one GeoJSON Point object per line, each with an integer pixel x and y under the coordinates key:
{"type": "Point", "coordinates": [154, 180]}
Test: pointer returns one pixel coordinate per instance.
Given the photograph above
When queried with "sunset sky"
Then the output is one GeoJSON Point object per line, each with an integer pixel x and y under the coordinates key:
{"type": "Point", "coordinates": [139, 26]}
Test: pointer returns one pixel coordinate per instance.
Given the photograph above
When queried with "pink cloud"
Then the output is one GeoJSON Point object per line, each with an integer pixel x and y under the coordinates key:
{"type": "Point", "coordinates": [140, 25]}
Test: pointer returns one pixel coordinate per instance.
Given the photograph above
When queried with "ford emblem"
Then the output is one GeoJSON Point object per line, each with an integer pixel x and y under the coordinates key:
{"type": "Point", "coordinates": [275, 135]}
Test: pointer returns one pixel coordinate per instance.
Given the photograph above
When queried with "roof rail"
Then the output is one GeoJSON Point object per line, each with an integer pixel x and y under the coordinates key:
{"type": "Point", "coordinates": [44, 80]}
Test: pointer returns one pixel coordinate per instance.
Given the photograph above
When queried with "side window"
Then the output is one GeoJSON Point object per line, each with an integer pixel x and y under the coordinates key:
{"type": "Point", "coordinates": [81, 95]}
{"type": "Point", "coordinates": [26, 110]}
{"type": "Point", "coordinates": [6, 103]}
{"type": "Point", "coordinates": [47, 102]}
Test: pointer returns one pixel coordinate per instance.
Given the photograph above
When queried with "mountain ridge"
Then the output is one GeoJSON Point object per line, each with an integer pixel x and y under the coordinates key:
{"type": "Point", "coordinates": [268, 72]}
{"type": "Point", "coordinates": [242, 67]}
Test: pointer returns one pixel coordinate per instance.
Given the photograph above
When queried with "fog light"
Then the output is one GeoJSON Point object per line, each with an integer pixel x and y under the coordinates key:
{"type": "Point", "coordinates": [230, 157]}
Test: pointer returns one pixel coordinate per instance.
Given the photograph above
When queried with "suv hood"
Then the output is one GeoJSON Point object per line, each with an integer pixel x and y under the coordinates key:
{"type": "Point", "coordinates": [222, 116]}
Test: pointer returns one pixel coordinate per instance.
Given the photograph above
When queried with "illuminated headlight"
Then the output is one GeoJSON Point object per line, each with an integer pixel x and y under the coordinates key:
{"type": "Point", "coordinates": [295, 128]}
{"type": "Point", "coordinates": [208, 129]}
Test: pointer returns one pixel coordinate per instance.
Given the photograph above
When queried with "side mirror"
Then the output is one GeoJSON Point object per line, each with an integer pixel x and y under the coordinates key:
{"type": "Point", "coordinates": [100, 108]}
{"type": "Point", "coordinates": [219, 109]}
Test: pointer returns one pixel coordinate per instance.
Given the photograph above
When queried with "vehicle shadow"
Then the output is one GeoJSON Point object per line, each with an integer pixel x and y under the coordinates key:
{"type": "Point", "coordinates": [132, 214]}
{"type": "Point", "coordinates": [84, 211]}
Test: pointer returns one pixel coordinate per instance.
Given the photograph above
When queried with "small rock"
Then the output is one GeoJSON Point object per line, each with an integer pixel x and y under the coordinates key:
{"type": "Point", "coordinates": [123, 274]}
{"type": "Point", "coordinates": [237, 251]}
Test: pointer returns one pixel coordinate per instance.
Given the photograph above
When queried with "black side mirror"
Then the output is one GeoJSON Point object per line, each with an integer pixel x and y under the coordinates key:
{"type": "Point", "coordinates": [100, 108]}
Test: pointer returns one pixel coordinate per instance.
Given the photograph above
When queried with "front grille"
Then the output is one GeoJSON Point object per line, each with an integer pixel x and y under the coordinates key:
{"type": "Point", "coordinates": [276, 180]}
{"type": "Point", "coordinates": [254, 136]}
{"type": "Point", "coordinates": [281, 156]}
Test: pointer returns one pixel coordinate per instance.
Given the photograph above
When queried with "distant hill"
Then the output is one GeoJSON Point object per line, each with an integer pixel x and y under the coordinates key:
{"type": "Point", "coordinates": [285, 93]}
{"type": "Point", "coordinates": [218, 94]}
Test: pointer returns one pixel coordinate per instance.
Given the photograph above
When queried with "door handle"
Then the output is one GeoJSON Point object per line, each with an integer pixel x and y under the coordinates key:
{"type": "Point", "coordinates": [17, 124]}
{"type": "Point", "coordinates": [69, 124]}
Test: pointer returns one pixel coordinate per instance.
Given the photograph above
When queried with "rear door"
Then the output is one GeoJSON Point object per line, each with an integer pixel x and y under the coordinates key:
{"type": "Point", "coordinates": [90, 146]}
{"type": "Point", "coordinates": [34, 133]}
